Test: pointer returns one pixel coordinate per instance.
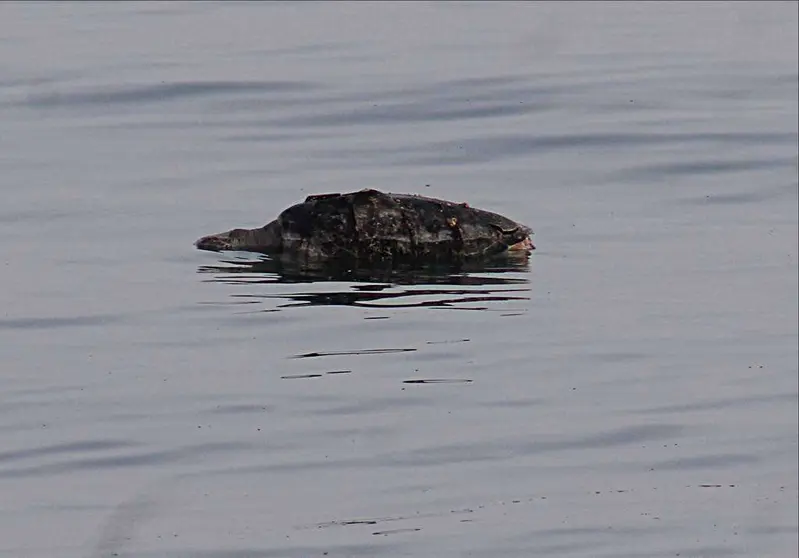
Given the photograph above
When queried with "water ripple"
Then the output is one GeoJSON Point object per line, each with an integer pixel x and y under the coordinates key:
{"type": "Point", "coordinates": [86, 446]}
{"type": "Point", "coordinates": [711, 167]}
{"type": "Point", "coordinates": [417, 112]}
{"type": "Point", "coordinates": [484, 149]}
{"type": "Point", "coordinates": [496, 450]}
{"type": "Point", "coordinates": [162, 92]}
{"type": "Point", "coordinates": [715, 462]}
{"type": "Point", "coordinates": [116, 461]}
{"type": "Point", "coordinates": [54, 323]}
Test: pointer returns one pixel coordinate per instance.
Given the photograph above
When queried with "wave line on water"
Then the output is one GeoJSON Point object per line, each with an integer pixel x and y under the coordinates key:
{"type": "Point", "coordinates": [356, 352]}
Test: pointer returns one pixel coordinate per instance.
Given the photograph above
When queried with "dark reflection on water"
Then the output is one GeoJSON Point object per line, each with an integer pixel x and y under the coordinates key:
{"type": "Point", "coordinates": [500, 279]}
{"type": "Point", "coordinates": [316, 354]}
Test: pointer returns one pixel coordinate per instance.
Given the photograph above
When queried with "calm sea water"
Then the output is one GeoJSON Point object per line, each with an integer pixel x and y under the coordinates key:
{"type": "Point", "coordinates": [631, 391]}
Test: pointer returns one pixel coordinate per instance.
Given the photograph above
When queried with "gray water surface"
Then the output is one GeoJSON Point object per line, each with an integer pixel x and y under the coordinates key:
{"type": "Point", "coordinates": [631, 391]}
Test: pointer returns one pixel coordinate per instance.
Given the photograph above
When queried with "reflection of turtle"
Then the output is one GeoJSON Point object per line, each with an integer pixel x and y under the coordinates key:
{"type": "Point", "coordinates": [372, 226]}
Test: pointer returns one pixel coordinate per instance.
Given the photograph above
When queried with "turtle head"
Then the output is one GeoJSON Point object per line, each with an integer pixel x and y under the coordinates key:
{"type": "Point", "coordinates": [267, 239]}
{"type": "Point", "coordinates": [521, 240]}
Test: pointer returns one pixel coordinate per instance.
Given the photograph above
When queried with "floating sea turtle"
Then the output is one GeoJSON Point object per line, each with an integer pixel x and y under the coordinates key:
{"type": "Point", "coordinates": [373, 226]}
